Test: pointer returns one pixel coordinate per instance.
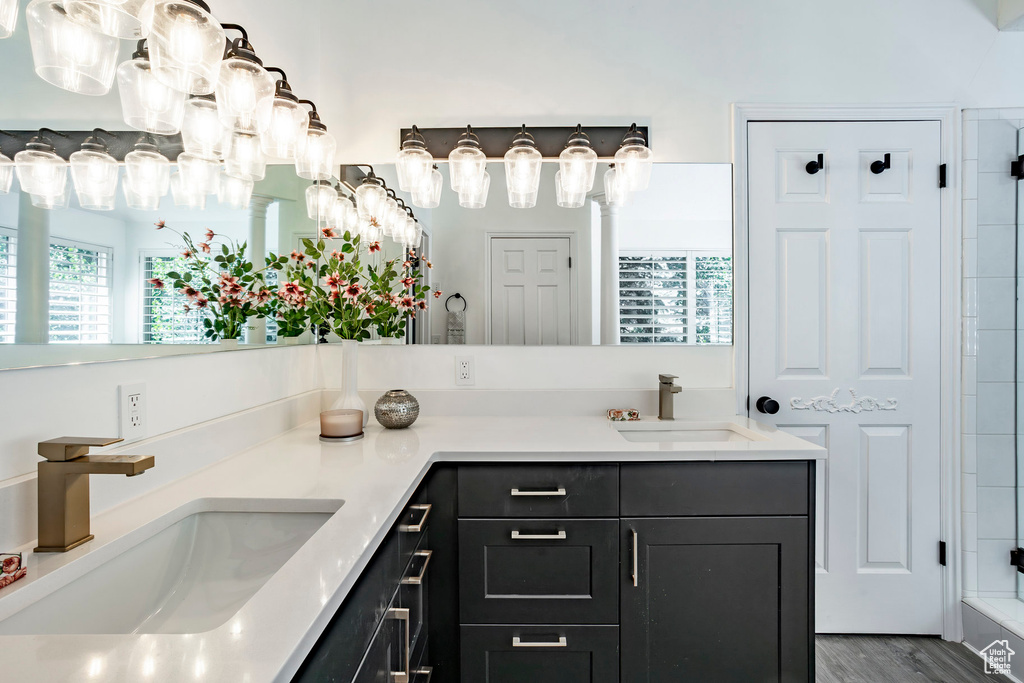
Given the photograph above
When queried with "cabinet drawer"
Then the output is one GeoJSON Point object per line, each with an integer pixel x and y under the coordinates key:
{"type": "Point", "coordinates": [538, 571]}
{"type": "Point", "coordinates": [715, 489]}
{"type": "Point", "coordinates": [531, 490]}
{"type": "Point", "coordinates": [540, 654]}
{"type": "Point", "coordinates": [412, 529]}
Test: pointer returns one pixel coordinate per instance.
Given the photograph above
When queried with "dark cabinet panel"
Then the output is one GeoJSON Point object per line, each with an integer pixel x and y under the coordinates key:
{"type": "Point", "coordinates": [716, 599]}
{"type": "Point", "coordinates": [715, 489]}
{"type": "Point", "coordinates": [538, 490]}
{"type": "Point", "coordinates": [538, 571]}
{"type": "Point", "coordinates": [540, 654]}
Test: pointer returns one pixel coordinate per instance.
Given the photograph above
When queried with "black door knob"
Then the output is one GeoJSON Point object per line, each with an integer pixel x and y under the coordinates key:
{"type": "Point", "coordinates": [767, 405]}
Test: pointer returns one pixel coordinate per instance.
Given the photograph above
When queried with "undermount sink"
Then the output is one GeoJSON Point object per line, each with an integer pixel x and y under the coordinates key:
{"type": "Point", "coordinates": [685, 432]}
{"type": "Point", "coordinates": [193, 570]}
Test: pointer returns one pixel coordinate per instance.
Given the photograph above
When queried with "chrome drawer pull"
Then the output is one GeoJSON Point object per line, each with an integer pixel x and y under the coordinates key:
{"type": "Point", "coordinates": [562, 642]}
{"type": "Point", "coordinates": [418, 580]}
{"type": "Point", "coordinates": [402, 614]}
{"type": "Point", "coordinates": [418, 526]}
{"type": "Point", "coordinates": [546, 494]}
{"type": "Point", "coordinates": [516, 536]}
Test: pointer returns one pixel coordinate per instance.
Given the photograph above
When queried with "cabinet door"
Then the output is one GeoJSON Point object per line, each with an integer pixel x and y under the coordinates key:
{"type": "Point", "coordinates": [540, 654]}
{"type": "Point", "coordinates": [385, 659]}
{"type": "Point", "coordinates": [716, 599]}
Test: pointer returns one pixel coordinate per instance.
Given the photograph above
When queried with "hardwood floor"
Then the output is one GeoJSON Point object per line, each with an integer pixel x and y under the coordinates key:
{"type": "Point", "coordinates": [897, 659]}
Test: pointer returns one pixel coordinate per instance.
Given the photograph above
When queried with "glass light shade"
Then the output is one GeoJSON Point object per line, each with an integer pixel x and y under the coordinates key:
{"type": "Point", "coordinates": [288, 126]}
{"type": "Point", "coordinates": [146, 18]}
{"type": "Point", "coordinates": [185, 195]}
{"type": "Point", "coordinates": [8, 17]}
{"type": "Point", "coordinates": [117, 18]}
{"type": "Point", "coordinates": [40, 171]}
{"type": "Point", "coordinates": [578, 164]}
{"type": "Point", "coordinates": [235, 193]}
{"type": "Point", "coordinates": [201, 131]}
{"type": "Point", "coordinates": [466, 164]}
{"type": "Point", "coordinates": [392, 214]}
{"type": "Point", "coordinates": [244, 157]}
{"type": "Point", "coordinates": [370, 231]}
{"type": "Point", "coordinates": [186, 46]}
{"type": "Point", "coordinates": [474, 196]}
{"type": "Point", "coordinates": [414, 164]}
{"type": "Point", "coordinates": [344, 216]}
{"type": "Point", "coordinates": [138, 200]}
{"type": "Point", "coordinates": [245, 95]}
{"type": "Point", "coordinates": [199, 174]}
{"type": "Point", "coordinates": [94, 173]}
{"type": "Point", "coordinates": [69, 55]}
{"type": "Point", "coordinates": [148, 173]}
{"type": "Point", "coordinates": [370, 197]}
{"type": "Point", "coordinates": [315, 156]}
{"type": "Point", "coordinates": [146, 103]}
{"type": "Point", "coordinates": [6, 173]}
{"type": "Point", "coordinates": [321, 198]}
{"type": "Point", "coordinates": [429, 196]}
{"type": "Point", "coordinates": [522, 174]}
{"type": "Point", "coordinates": [52, 202]}
{"type": "Point", "coordinates": [565, 198]}
{"type": "Point", "coordinates": [616, 189]}
{"type": "Point", "coordinates": [634, 161]}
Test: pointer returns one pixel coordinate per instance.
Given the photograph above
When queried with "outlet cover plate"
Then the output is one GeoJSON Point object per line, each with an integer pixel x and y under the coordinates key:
{"type": "Point", "coordinates": [465, 371]}
{"type": "Point", "coordinates": [132, 410]}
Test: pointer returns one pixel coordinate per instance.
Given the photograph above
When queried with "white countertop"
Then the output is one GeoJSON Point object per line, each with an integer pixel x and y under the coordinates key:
{"type": "Point", "coordinates": [270, 636]}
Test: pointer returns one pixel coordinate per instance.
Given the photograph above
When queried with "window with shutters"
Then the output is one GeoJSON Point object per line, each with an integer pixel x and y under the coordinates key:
{"type": "Point", "coordinates": [8, 283]}
{"type": "Point", "coordinates": [164, 318]}
{"type": "Point", "coordinates": [80, 293]}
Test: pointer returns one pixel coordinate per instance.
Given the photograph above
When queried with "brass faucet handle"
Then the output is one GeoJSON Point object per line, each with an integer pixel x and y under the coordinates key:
{"type": "Point", "coordinates": [667, 379]}
{"type": "Point", "coordinates": [71, 447]}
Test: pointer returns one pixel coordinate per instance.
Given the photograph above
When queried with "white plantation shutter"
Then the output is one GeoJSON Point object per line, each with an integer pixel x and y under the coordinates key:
{"type": "Point", "coordinates": [164, 319]}
{"type": "Point", "coordinates": [80, 293]}
{"type": "Point", "coordinates": [8, 283]}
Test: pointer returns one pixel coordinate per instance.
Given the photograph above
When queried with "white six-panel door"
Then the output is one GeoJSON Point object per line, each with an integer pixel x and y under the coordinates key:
{"type": "Point", "coordinates": [844, 334]}
{"type": "Point", "coordinates": [530, 291]}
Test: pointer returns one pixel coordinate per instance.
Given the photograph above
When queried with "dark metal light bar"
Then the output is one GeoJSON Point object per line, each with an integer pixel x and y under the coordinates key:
{"type": "Point", "coordinates": [550, 139]}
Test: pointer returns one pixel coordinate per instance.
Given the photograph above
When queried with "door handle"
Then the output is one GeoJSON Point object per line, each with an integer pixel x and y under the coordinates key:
{"type": "Point", "coordinates": [814, 166]}
{"type": "Point", "coordinates": [557, 536]}
{"type": "Point", "coordinates": [636, 558]}
{"type": "Point", "coordinates": [402, 614]}
{"type": "Point", "coordinates": [418, 526]}
{"type": "Point", "coordinates": [560, 491]}
{"type": "Point", "coordinates": [880, 166]}
{"type": "Point", "coordinates": [561, 642]}
{"type": "Point", "coordinates": [767, 405]}
{"type": "Point", "coordinates": [418, 580]}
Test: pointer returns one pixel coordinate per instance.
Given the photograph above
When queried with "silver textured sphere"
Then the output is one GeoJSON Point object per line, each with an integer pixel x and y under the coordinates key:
{"type": "Point", "coordinates": [397, 409]}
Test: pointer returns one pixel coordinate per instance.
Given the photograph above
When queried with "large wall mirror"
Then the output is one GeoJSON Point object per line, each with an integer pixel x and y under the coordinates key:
{"type": "Point", "coordinates": [655, 271]}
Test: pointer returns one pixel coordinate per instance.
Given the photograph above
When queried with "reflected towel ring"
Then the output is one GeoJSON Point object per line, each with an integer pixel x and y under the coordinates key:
{"type": "Point", "coordinates": [456, 295]}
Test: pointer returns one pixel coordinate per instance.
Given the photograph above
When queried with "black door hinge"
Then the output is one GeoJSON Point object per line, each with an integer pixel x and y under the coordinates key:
{"type": "Point", "coordinates": [942, 553]}
{"type": "Point", "coordinates": [1017, 168]}
{"type": "Point", "coordinates": [1017, 559]}
{"type": "Point", "coordinates": [942, 175]}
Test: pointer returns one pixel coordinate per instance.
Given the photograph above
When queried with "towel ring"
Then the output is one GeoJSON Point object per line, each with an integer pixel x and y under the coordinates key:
{"type": "Point", "coordinates": [456, 295]}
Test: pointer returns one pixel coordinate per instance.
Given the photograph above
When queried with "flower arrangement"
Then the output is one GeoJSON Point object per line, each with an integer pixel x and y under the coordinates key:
{"type": "Point", "coordinates": [394, 307]}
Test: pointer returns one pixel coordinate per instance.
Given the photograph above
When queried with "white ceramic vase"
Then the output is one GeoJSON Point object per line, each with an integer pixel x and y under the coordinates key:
{"type": "Point", "coordinates": [228, 343]}
{"type": "Point", "coordinates": [350, 379]}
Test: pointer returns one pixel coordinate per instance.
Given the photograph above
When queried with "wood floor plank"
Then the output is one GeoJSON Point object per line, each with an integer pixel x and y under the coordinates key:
{"type": "Point", "coordinates": [897, 659]}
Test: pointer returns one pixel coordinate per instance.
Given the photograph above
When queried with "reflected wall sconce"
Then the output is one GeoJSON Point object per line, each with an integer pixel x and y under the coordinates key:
{"type": "Point", "coordinates": [634, 161]}
{"type": "Point", "coordinates": [467, 164]}
{"type": "Point", "coordinates": [67, 54]}
{"type": "Point", "coordinates": [245, 90]}
{"type": "Point", "coordinates": [94, 173]}
{"type": "Point", "coordinates": [414, 163]}
{"type": "Point", "coordinates": [522, 171]}
{"type": "Point", "coordinates": [314, 158]}
{"type": "Point", "coordinates": [186, 45]}
{"type": "Point", "coordinates": [288, 123]}
{"type": "Point", "coordinates": [578, 163]}
{"type": "Point", "coordinates": [146, 103]}
{"type": "Point", "coordinates": [42, 173]}
{"type": "Point", "coordinates": [8, 17]}
{"type": "Point", "coordinates": [117, 18]}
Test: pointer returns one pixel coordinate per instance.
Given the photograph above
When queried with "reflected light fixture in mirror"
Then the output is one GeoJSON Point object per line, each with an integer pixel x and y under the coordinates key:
{"type": "Point", "coordinates": [147, 175]}
{"type": "Point", "coordinates": [390, 216]}
{"type": "Point", "coordinates": [578, 163]}
{"type": "Point", "coordinates": [344, 217]}
{"type": "Point", "coordinates": [244, 156]}
{"type": "Point", "coordinates": [117, 18]}
{"type": "Point", "coordinates": [8, 17]}
{"type": "Point", "coordinates": [288, 122]}
{"type": "Point", "coordinates": [414, 163]}
{"type": "Point", "coordinates": [321, 198]}
{"type": "Point", "coordinates": [370, 197]}
{"type": "Point", "coordinates": [522, 171]}
{"type": "Point", "coordinates": [136, 200]}
{"type": "Point", "coordinates": [234, 192]}
{"type": "Point", "coordinates": [198, 174]}
{"type": "Point", "coordinates": [146, 103]}
{"type": "Point", "coordinates": [186, 45]}
{"type": "Point", "coordinates": [94, 173]}
{"type": "Point", "coordinates": [41, 172]}
{"type": "Point", "coordinates": [69, 55]}
{"type": "Point", "coordinates": [201, 131]}
{"type": "Point", "coordinates": [634, 161]}
{"type": "Point", "coordinates": [186, 196]}
{"type": "Point", "coordinates": [429, 196]}
{"type": "Point", "coordinates": [314, 159]}
{"type": "Point", "coordinates": [245, 90]}
{"type": "Point", "coordinates": [467, 162]}
{"type": "Point", "coordinates": [473, 194]}
{"type": "Point", "coordinates": [6, 173]}
{"type": "Point", "coordinates": [566, 199]}
{"type": "Point", "coordinates": [616, 188]}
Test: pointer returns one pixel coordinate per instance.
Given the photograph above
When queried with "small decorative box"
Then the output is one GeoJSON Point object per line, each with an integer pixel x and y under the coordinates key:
{"type": "Point", "coordinates": [623, 415]}
{"type": "Point", "coordinates": [12, 568]}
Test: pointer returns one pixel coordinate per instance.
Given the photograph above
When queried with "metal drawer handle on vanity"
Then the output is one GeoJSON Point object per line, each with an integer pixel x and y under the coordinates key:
{"type": "Point", "coordinates": [418, 580]}
{"type": "Point", "coordinates": [561, 642]}
{"type": "Point", "coordinates": [636, 557]}
{"type": "Point", "coordinates": [560, 491]}
{"type": "Point", "coordinates": [559, 536]}
{"type": "Point", "coordinates": [402, 614]}
{"type": "Point", "coordinates": [418, 526]}
{"type": "Point", "coordinates": [427, 671]}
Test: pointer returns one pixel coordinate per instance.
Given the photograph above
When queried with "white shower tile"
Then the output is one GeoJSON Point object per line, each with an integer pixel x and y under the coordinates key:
{"type": "Point", "coordinates": [970, 141]}
{"type": "Point", "coordinates": [970, 337]}
{"type": "Point", "coordinates": [970, 297]}
{"type": "Point", "coordinates": [995, 575]}
{"type": "Point", "coordinates": [970, 218]}
{"type": "Point", "coordinates": [997, 303]}
{"type": "Point", "coordinates": [969, 376]}
{"type": "Point", "coordinates": [997, 145]}
{"type": "Point", "coordinates": [969, 493]}
{"type": "Point", "coordinates": [996, 407]}
{"type": "Point", "coordinates": [979, 630]}
{"type": "Point", "coordinates": [997, 251]}
{"type": "Point", "coordinates": [970, 180]}
{"type": "Point", "coordinates": [971, 257]}
{"type": "Point", "coordinates": [970, 573]}
{"type": "Point", "coordinates": [996, 351]}
{"type": "Point", "coordinates": [997, 198]}
{"type": "Point", "coordinates": [997, 513]}
{"type": "Point", "coordinates": [969, 453]}
{"type": "Point", "coordinates": [969, 536]}
{"type": "Point", "coordinates": [969, 414]}
{"type": "Point", "coordinates": [997, 460]}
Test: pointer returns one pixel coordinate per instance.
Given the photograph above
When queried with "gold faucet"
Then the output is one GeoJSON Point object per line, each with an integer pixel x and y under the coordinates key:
{"type": "Point", "coordinates": [64, 487]}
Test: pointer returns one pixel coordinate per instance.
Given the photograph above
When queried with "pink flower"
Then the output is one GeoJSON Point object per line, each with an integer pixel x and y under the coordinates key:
{"type": "Point", "coordinates": [406, 303]}
{"type": "Point", "coordinates": [353, 290]}
{"type": "Point", "coordinates": [429, 264]}
{"type": "Point", "coordinates": [334, 281]}
{"type": "Point", "coordinates": [421, 304]}
{"type": "Point", "coordinates": [187, 308]}
{"type": "Point", "coordinates": [189, 291]}
{"type": "Point", "coordinates": [205, 247]}
{"type": "Point", "coordinates": [187, 253]}
{"type": "Point", "coordinates": [156, 282]}
{"type": "Point", "coordinates": [229, 284]}
{"type": "Point", "coordinates": [298, 256]}
{"type": "Point", "coordinates": [160, 224]}
{"type": "Point", "coordinates": [311, 264]}
{"type": "Point", "coordinates": [406, 265]}
{"type": "Point", "coordinates": [328, 232]}
{"type": "Point", "coordinates": [334, 295]}
{"type": "Point", "coordinates": [11, 564]}
{"type": "Point", "coordinates": [370, 308]}
{"type": "Point", "coordinates": [437, 294]}
{"type": "Point", "coordinates": [335, 254]}
{"type": "Point", "coordinates": [210, 234]}
{"type": "Point", "coordinates": [408, 281]}
{"type": "Point", "coordinates": [375, 247]}
{"type": "Point", "coordinates": [201, 301]}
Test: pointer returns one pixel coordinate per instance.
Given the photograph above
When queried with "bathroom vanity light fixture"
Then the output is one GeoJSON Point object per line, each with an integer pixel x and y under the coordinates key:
{"type": "Point", "coordinates": [616, 187]}
{"type": "Point", "coordinates": [344, 218]}
{"type": "Point", "coordinates": [8, 17]}
{"type": "Point", "coordinates": [565, 198]}
{"type": "Point", "coordinates": [522, 171]}
{"type": "Point", "coordinates": [146, 103]}
{"type": "Point", "coordinates": [428, 196]}
{"type": "Point", "coordinates": [244, 157]}
{"type": "Point", "coordinates": [41, 172]}
{"type": "Point", "coordinates": [473, 193]}
{"type": "Point", "coordinates": [414, 162]}
{"type": "Point", "coordinates": [147, 175]}
{"type": "Point", "coordinates": [117, 18]}
{"type": "Point", "coordinates": [199, 175]}
{"type": "Point", "coordinates": [185, 195]}
{"type": "Point", "coordinates": [234, 192]}
{"type": "Point", "coordinates": [201, 131]}
{"type": "Point", "coordinates": [578, 163]}
{"type": "Point", "coordinates": [370, 197]}
{"type": "Point", "coordinates": [467, 163]}
{"type": "Point", "coordinates": [94, 173]}
{"type": "Point", "coordinates": [314, 157]}
{"type": "Point", "coordinates": [67, 54]}
{"type": "Point", "coordinates": [634, 161]}
{"type": "Point", "coordinates": [288, 122]}
{"type": "Point", "coordinates": [321, 198]}
{"type": "Point", "coordinates": [186, 44]}
{"type": "Point", "coordinates": [245, 90]}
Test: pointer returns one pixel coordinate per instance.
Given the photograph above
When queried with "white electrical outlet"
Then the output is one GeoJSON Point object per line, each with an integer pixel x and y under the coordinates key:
{"type": "Point", "coordinates": [132, 403]}
{"type": "Point", "coordinates": [465, 371]}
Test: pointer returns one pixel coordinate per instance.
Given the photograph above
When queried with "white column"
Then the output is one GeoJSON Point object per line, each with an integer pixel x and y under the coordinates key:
{"type": "Point", "coordinates": [32, 316]}
{"type": "Point", "coordinates": [609, 272]}
{"type": "Point", "coordinates": [256, 329]}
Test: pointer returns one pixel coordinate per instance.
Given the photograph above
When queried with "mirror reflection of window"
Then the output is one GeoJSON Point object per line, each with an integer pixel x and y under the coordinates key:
{"type": "Point", "coordinates": [8, 284]}
{"type": "Point", "coordinates": [165, 319]}
{"type": "Point", "coordinates": [81, 293]}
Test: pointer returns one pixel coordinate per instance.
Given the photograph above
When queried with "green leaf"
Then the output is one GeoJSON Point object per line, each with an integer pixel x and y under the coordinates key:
{"type": "Point", "coordinates": [224, 249]}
